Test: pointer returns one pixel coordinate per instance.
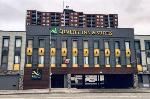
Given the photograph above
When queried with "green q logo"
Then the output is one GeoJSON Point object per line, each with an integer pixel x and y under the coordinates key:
{"type": "Point", "coordinates": [54, 30]}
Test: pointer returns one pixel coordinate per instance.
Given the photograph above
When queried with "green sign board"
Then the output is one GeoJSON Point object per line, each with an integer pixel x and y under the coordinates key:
{"type": "Point", "coordinates": [54, 30]}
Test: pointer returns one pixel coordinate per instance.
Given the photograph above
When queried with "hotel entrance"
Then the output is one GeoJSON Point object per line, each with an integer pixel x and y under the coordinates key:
{"type": "Point", "coordinates": [57, 81]}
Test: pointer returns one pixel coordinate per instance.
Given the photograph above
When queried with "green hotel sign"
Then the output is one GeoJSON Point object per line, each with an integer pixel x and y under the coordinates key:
{"type": "Point", "coordinates": [56, 30]}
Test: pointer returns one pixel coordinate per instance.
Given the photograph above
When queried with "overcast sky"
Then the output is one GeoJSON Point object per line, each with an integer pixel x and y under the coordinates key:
{"type": "Point", "coordinates": [132, 13]}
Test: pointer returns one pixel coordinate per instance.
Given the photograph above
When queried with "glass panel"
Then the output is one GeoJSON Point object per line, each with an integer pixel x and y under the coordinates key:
{"type": "Point", "coordinates": [107, 60]}
{"type": "Point", "coordinates": [128, 61]}
{"type": "Point", "coordinates": [96, 60]}
{"type": "Point", "coordinates": [53, 60]}
{"type": "Point", "coordinates": [52, 44]}
{"type": "Point", "coordinates": [106, 44]}
{"type": "Point", "coordinates": [74, 58]}
{"type": "Point", "coordinates": [74, 44]}
{"type": "Point", "coordinates": [41, 43]}
{"type": "Point", "coordinates": [138, 60]}
{"type": "Point", "coordinates": [18, 42]}
{"type": "Point", "coordinates": [17, 59]}
{"type": "Point", "coordinates": [96, 44]}
{"type": "Point", "coordinates": [148, 60]}
{"type": "Point", "coordinates": [86, 60]}
{"type": "Point", "coordinates": [5, 42]}
{"type": "Point", "coordinates": [30, 43]}
{"type": "Point", "coordinates": [41, 59]}
{"type": "Point", "coordinates": [4, 59]}
{"type": "Point", "coordinates": [127, 45]}
{"type": "Point", "coordinates": [118, 62]}
{"type": "Point", "coordinates": [137, 45]}
{"type": "Point", "coordinates": [29, 59]}
{"type": "Point", "coordinates": [64, 44]}
{"type": "Point", "coordinates": [117, 45]}
{"type": "Point", "coordinates": [85, 44]}
{"type": "Point", "coordinates": [63, 59]}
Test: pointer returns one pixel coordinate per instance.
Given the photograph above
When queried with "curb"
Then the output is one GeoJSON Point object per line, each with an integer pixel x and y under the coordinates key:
{"type": "Point", "coordinates": [77, 91]}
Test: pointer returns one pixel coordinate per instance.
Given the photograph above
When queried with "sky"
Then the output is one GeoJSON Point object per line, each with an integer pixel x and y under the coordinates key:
{"type": "Point", "coordinates": [131, 13]}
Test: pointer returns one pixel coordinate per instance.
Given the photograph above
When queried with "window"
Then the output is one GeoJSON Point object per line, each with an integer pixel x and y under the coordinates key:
{"type": "Point", "coordinates": [64, 44]}
{"type": "Point", "coordinates": [29, 59]}
{"type": "Point", "coordinates": [96, 60]}
{"type": "Point", "coordinates": [41, 43]}
{"type": "Point", "coordinates": [74, 44]}
{"type": "Point", "coordinates": [128, 60]}
{"type": "Point", "coordinates": [147, 45]}
{"type": "Point", "coordinates": [53, 44]}
{"type": "Point", "coordinates": [18, 42]}
{"type": "Point", "coordinates": [138, 52]}
{"type": "Point", "coordinates": [85, 60]}
{"type": "Point", "coordinates": [41, 59]}
{"type": "Point", "coordinates": [118, 62]}
{"type": "Point", "coordinates": [17, 60]}
{"type": "Point", "coordinates": [85, 44]}
{"type": "Point", "coordinates": [95, 44]}
{"type": "Point", "coordinates": [4, 59]}
{"type": "Point", "coordinates": [63, 59]}
{"type": "Point", "coordinates": [106, 44]}
{"type": "Point", "coordinates": [74, 60]}
{"type": "Point", "coordinates": [127, 45]}
{"type": "Point", "coordinates": [5, 42]}
{"type": "Point", "coordinates": [148, 60]}
{"type": "Point", "coordinates": [117, 45]}
{"type": "Point", "coordinates": [30, 43]}
{"type": "Point", "coordinates": [107, 60]}
{"type": "Point", "coordinates": [137, 45]}
{"type": "Point", "coordinates": [52, 59]}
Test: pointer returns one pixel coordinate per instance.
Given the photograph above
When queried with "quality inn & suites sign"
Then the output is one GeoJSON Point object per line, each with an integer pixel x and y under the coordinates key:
{"type": "Point", "coordinates": [56, 30]}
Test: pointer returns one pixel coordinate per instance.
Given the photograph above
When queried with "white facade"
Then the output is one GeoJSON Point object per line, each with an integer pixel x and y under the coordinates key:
{"type": "Point", "coordinates": [12, 35]}
{"type": "Point", "coordinates": [142, 39]}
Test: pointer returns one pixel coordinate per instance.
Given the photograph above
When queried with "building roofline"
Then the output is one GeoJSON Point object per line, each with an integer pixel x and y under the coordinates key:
{"type": "Point", "coordinates": [11, 31]}
{"type": "Point", "coordinates": [141, 35]}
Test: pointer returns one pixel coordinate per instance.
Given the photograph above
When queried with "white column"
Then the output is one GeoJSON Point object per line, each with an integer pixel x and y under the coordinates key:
{"type": "Point", "coordinates": [11, 52]}
{"type": "Point", "coordinates": [23, 49]}
{"type": "Point", "coordinates": [0, 48]}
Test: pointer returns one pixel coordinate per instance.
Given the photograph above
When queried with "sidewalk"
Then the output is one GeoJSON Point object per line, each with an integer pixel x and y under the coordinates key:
{"type": "Point", "coordinates": [73, 90]}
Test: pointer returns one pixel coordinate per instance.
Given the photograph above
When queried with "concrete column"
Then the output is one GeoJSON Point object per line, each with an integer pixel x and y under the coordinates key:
{"type": "Point", "coordinates": [0, 48]}
{"type": "Point", "coordinates": [23, 49]}
{"type": "Point", "coordinates": [83, 80]}
{"type": "Point", "coordinates": [11, 53]}
{"type": "Point", "coordinates": [65, 81]}
{"type": "Point", "coordinates": [69, 80]}
{"type": "Point", "coordinates": [145, 81]}
{"type": "Point", "coordinates": [135, 81]}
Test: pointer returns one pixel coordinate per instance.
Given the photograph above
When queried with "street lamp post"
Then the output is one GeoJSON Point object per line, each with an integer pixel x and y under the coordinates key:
{"type": "Point", "coordinates": [50, 65]}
